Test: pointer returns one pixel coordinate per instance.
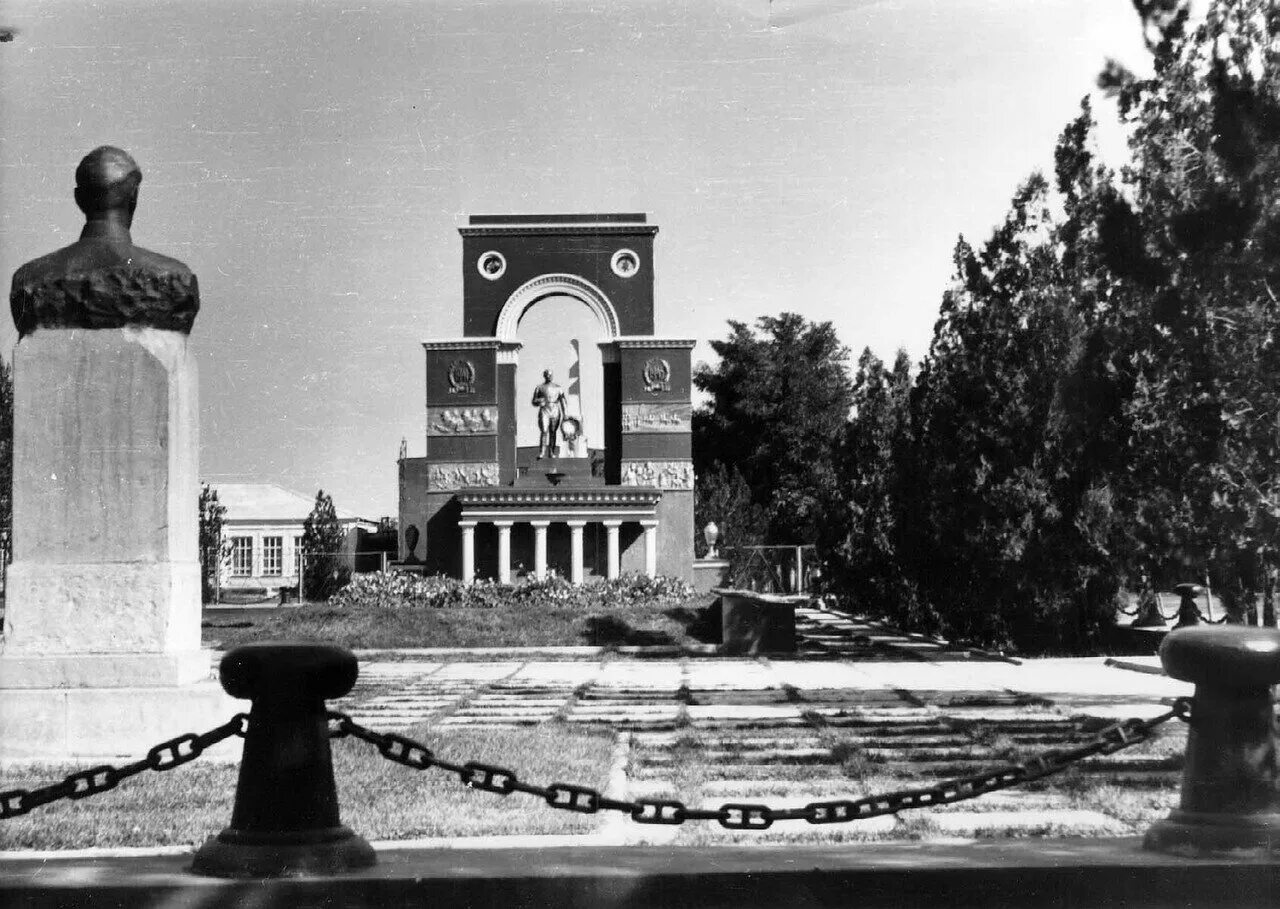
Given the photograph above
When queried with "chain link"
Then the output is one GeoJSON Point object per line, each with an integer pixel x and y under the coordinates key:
{"type": "Point", "coordinates": [736, 816]}
{"type": "Point", "coordinates": [175, 752]}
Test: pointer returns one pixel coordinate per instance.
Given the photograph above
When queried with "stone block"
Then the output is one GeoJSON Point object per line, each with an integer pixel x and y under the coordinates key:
{"type": "Point", "coordinates": [83, 724]}
{"type": "Point", "coordinates": [105, 670]}
{"type": "Point", "coordinates": [134, 607]}
{"type": "Point", "coordinates": [754, 623]}
{"type": "Point", "coordinates": [104, 541]}
{"type": "Point", "coordinates": [710, 573]}
{"type": "Point", "coordinates": [105, 432]}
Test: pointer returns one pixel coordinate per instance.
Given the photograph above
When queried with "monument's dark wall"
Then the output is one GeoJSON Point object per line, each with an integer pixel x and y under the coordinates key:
{"type": "Point", "coordinates": [507, 421]}
{"type": "Point", "coordinates": [612, 423]}
{"type": "Point", "coordinates": [658, 446]}
{"type": "Point", "coordinates": [562, 244]}
{"type": "Point", "coordinates": [413, 503]}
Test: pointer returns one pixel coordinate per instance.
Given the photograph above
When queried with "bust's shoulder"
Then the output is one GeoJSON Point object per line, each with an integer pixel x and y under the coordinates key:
{"type": "Point", "coordinates": [57, 262]}
{"type": "Point", "coordinates": [153, 261]}
{"type": "Point", "coordinates": [89, 256]}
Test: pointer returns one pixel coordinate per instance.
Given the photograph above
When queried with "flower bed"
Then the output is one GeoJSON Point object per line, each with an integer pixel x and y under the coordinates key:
{"type": "Point", "coordinates": [395, 590]}
{"type": "Point", "coordinates": [406, 611]}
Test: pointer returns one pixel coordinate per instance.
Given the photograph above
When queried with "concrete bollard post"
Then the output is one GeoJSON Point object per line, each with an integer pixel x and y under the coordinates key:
{"type": "Point", "coordinates": [285, 821]}
{"type": "Point", "coordinates": [1231, 778]}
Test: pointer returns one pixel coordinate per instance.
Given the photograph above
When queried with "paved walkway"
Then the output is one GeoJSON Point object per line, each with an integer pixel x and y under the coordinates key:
{"type": "Point", "coordinates": [846, 667]}
{"type": "Point", "coordinates": [781, 729]}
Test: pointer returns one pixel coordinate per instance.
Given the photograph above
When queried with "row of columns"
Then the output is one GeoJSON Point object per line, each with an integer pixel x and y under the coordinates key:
{"type": "Point", "coordinates": [576, 527]}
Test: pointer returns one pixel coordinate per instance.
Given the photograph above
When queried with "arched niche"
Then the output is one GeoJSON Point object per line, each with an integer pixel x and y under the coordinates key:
{"type": "Point", "coordinates": [555, 285]}
{"type": "Point", "coordinates": [559, 322]}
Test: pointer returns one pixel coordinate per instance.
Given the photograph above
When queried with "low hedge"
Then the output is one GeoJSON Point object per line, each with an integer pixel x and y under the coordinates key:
{"type": "Point", "coordinates": [398, 590]}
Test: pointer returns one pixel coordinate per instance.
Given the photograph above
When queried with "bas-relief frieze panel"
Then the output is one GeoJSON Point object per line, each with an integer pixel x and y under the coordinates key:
{"type": "Point", "coordinates": [462, 421]}
{"type": "Point", "coordinates": [456, 476]}
{"type": "Point", "coordinates": [662, 474]}
{"type": "Point", "coordinates": [657, 417]}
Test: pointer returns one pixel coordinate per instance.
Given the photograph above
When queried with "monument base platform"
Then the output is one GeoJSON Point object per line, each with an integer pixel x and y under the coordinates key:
{"type": "Point", "coordinates": [79, 725]}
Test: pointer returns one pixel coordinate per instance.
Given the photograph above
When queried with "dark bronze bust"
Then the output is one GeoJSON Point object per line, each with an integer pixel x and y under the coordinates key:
{"type": "Point", "coordinates": [103, 280]}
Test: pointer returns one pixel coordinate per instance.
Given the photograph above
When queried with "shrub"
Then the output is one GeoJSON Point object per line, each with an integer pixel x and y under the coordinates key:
{"type": "Point", "coordinates": [395, 590]}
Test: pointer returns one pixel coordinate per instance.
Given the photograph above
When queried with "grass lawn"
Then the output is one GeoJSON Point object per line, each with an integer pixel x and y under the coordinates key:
{"type": "Point", "coordinates": [384, 801]}
{"type": "Point", "coordinates": [1134, 800]}
{"type": "Point", "coordinates": [497, 626]}
{"type": "Point", "coordinates": [379, 800]}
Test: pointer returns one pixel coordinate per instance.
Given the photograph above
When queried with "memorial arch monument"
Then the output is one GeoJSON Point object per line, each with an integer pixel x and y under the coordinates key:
{"type": "Point", "coordinates": [558, 423]}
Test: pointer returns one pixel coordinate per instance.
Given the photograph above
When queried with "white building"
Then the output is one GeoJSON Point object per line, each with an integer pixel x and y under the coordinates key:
{"type": "Point", "coordinates": [263, 532]}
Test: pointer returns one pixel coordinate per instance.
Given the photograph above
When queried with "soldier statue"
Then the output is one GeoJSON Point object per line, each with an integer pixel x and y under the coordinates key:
{"type": "Point", "coordinates": [549, 399]}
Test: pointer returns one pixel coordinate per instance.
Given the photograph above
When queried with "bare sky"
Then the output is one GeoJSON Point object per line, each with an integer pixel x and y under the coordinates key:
{"type": "Point", "coordinates": [312, 159]}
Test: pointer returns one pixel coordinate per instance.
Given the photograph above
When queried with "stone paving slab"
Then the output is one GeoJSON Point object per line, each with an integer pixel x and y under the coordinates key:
{"type": "Point", "coordinates": [1075, 820]}
{"type": "Point", "coordinates": [480, 671]}
{"type": "Point", "coordinates": [729, 712]}
{"type": "Point", "coordinates": [559, 673]}
{"type": "Point", "coordinates": [825, 675]}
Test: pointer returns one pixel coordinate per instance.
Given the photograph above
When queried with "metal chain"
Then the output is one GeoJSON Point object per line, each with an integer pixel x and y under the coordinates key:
{"type": "Point", "coordinates": [167, 755]}
{"type": "Point", "coordinates": [739, 816]}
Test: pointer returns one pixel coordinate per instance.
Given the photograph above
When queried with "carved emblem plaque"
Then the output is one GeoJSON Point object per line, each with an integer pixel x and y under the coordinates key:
{"type": "Point", "coordinates": [462, 377]}
{"type": "Point", "coordinates": [657, 375]}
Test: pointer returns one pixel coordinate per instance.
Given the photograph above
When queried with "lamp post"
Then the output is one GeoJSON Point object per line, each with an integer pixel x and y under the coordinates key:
{"type": "Point", "coordinates": [711, 533]}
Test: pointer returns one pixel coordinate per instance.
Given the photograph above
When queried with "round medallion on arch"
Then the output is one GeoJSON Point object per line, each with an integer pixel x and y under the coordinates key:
{"type": "Point", "coordinates": [491, 265]}
{"type": "Point", "coordinates": [625, 263]}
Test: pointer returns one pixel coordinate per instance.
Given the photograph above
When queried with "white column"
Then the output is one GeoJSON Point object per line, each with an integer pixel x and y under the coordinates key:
{"type": "Point", "coordinates": [575, 551]}
{"type": "Point", "coordinates": [504, 551]}
{"type": "Point", "coordinates": [611, 528]}
{"type": "Point", "coordinates": [468, 529]}
{"type": "Point", "coordinates": [650, 548]}
{"type": "Point", "coordinates": [540, 548]}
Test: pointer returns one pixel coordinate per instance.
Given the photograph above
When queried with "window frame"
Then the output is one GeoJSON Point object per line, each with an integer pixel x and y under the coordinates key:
{"type": "Point", "coordinates": [273, 556]}
{"type": "Point", "coordinates": [242, 556]}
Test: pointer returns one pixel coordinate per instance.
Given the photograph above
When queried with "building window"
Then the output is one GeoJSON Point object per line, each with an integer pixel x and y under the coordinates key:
{"type": "Point", "coordinates": [273, 556]}
{"type": "Point", "coordinates": [297, 556]}
{"type": "Point", "coordinates": [241, 557]}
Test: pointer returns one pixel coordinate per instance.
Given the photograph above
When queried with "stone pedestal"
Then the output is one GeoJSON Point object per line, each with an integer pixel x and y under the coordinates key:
{"type": "Point", "coordinates": [754, 623]}
{"type": "Point", "coordinates": [709, 574]}
{"type": "Point", "coordinates": [101, 653]}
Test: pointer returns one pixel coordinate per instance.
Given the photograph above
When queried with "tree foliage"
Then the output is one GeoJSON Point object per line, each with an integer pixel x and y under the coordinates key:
{"type": "Point", "coordinates": [6, 450]}
{"type": "Point", "coordinates": [322, 538]}
{"type": "Point", "coordinates": [780, 397]}
{"type": "Point", "coordinates": [213, 548]}
{"type": "Point", "coordinates": [1101, 398]}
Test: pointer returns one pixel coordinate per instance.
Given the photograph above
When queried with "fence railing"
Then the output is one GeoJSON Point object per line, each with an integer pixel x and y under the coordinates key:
{"type": "Point", "coordinates": [286, 816]}
{"type": "Point", "coordinates": [772, 569]}
{"type": "Point", "coordinates": [286, 572]}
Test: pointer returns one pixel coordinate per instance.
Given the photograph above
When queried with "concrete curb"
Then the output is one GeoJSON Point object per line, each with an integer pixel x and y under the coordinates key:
{"type": "Point", "coordinates": [1054, 872]}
